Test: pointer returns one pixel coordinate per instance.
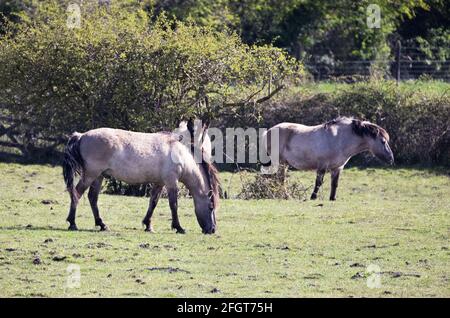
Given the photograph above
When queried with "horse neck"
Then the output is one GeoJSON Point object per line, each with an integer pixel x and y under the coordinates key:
{"type": "Point", "coordinates": [353, 144]}
{"type": "Point", "coordinates": [195, 180]}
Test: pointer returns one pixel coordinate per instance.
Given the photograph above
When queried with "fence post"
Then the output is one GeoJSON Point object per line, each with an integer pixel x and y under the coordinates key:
{"type": "Point", "coordinates": [398, 57]}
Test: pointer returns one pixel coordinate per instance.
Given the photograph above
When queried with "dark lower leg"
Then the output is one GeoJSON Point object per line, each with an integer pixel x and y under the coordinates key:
{"type": "Point", "coordinates": [72, 212]}
{"type": "Point", "coordinates": [334, 184]}
{"type": "Point", "coordinates": [319, 181]}
{"type": "Point", "coordinates": [173, 202]}
{"type": "Point", "coordinates": [155, 195]}
{"type": "Point", "coordinates": [74, 198]}
{"type": "Point", "coordinates": [94, 191]}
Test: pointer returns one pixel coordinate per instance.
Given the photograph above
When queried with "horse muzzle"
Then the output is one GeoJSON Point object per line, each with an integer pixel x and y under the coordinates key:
{"type": "Point", "coordinates": [390, 160]}
{"type": "Point", "coordinates": [210, 230]}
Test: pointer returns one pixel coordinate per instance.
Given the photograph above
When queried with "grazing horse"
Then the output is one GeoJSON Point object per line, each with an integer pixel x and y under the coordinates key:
{"type": "Point", "coordinates": [138, 158]}
{"type": "Point", "coordinates": [329, 146]}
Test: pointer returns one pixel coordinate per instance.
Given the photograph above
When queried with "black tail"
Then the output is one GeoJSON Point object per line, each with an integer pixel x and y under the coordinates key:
{"type": "Point", "coordinates": [73, 162]}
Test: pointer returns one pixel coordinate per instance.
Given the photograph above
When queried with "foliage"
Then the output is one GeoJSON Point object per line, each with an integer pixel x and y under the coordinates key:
{"type": "Point", "coordinates": [11, 11]}
{"type": "Point", "coordinates": [321, 32]}
{"type": "Point", "coordinates": [113, 186]}
{"type": "Point", "coordinates": [433, 52]}
{"type": "Point", "coordinates": [121, 70]}
{"type": "Point", "coordinates": [272, 186]}
{"type": "Point", "coordinates": [324, 33]}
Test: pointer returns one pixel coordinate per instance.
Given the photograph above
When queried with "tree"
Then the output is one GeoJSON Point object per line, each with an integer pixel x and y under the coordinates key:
{"type": "Point", "coordinates": [120, 69]}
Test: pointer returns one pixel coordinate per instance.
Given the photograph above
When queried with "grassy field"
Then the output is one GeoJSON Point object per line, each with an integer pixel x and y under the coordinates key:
{"type": "Point", "coordinates": [395, 221]}
{"type": "Point", "coordinates": [438, 87]}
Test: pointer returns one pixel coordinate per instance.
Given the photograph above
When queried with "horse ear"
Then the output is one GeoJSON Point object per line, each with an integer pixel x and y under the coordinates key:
{"type": "Point", "coordinates": [182, 124]}
{"type": "Point", "coordinates": [205, 130]}
{"type": "Point", "coordinates": [190, 126]}
{"type": "Point", "coordinates": [205, 124]}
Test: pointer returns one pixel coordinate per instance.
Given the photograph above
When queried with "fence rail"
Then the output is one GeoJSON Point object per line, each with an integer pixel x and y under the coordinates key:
{"type": "Point", "coordinates": [409, 63]}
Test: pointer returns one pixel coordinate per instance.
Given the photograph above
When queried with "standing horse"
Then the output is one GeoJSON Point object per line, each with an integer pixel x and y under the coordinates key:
{"type": "Point", "coordinates": [137, 158]}
{"type": "Point", "coordinates": [329, 146]}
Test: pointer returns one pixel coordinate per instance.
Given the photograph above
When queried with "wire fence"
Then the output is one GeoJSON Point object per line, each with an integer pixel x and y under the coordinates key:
{"type": "Point", "coordinates": [408, 63]}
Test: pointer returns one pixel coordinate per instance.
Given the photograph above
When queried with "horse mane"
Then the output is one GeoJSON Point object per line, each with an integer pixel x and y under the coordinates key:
{"type": "Point", "coordinates": [359, 127]}
{"type": "Point", "coordinates": [330, 123]}
{"type": "Point", "coordinates": [365, 128]}
{"type": "Point", "coordinates": [338, 120]}
{"type": "Point", "coordinates": [212, 175]}
{"type": "Point", "coordinates": [211, 172]}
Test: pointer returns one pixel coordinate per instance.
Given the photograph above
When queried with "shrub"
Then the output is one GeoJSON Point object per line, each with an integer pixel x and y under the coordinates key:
{"type": "Point", "coordinates": [113, 186]}
{"type": "Point", "coordinates": [271, 186]}
{"type": "Point", "coordinates": [122, 70]}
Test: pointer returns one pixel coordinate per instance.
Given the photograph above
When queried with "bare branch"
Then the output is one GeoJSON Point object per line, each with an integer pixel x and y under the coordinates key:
{"type": "Point", "coordinates": [259, 101]}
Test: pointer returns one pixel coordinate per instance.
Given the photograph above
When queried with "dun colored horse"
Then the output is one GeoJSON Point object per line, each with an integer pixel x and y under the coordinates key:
{"type": "Point", "coordinates": [329, 146]}
{"type": "Point", "coordinates": [138, 158]}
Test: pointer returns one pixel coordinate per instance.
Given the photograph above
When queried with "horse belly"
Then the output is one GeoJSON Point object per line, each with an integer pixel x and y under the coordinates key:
{"type": "Point", "coordinates": [300, 160]}
{"type": "Point", "coordinates": [136, 168]}
{"type": "Point", "coordinates": [300, 154]}
{"type": "Point", "coordinates": [307, 159]}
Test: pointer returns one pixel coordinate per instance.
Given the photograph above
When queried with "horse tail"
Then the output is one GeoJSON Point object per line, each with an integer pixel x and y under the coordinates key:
{"type": "Point", "coordinates": [73, 163]}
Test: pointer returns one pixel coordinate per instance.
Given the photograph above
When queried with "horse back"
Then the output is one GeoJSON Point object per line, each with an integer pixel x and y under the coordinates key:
{"type": "Point", "coordinates": [304, 147]}
{"type": "Point", "coordinates": [132, 157]}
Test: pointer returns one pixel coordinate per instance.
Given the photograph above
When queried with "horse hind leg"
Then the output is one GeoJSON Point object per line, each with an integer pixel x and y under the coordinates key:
{"type": "Point", "coordinates": [155, 195]}
{"type": "Point", "coordinates": [94, 191]}
{"type": "Point", "coordinates": [74, 198]}
{"type": "Point", "coordinates": [81, 187]}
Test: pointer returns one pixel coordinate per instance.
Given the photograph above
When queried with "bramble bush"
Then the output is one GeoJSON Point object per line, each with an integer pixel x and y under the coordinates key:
{"type": "Point", "coordinates": [121, 69]}
{"type": "Point", "coordinates": [257, 186]}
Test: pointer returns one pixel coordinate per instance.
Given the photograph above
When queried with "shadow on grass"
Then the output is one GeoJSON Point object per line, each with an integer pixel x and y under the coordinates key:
{"type": "Point", "coordinates": [8, 157]}
{"type": "Point", "coordinates": [434, 170]}
{"type": "Point", "coordinates": [42, 228]}
{"type": "Point", "coordinates": [357, 162]}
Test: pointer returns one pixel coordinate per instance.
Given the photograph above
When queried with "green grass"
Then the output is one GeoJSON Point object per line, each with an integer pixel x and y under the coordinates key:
{"type": "Point", "coordinates": [324, 87]}
{"type": "Point", "coordinates": [397, 219]}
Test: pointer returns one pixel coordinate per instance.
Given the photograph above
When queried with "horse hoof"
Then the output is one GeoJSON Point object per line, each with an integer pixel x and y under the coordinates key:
{"type": "Point", "coordinates": [181, 231]}
{"type": "Point", "coordinates": [313, 196]}
{"type": "Point", "coordinates": [73, 227]}
{"type": "Point", "coordinates": [149, 230]}
{"type": "Point", "coordinates": [104, 228]}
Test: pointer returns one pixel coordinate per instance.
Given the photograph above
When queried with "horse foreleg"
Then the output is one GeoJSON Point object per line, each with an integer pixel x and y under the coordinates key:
{"type": "Point", "coordinates": [173, 202]}
{"type": "Point", "coordinates": [334, 183]}
{"type": "Point", "coordinates": [94, 191]}
{"type": "Point", "coordinates": [74, 199]}
{"type": "Point", "coordinates": [155, 195]}
{"type": "Point", "coordinates": [319, 181]}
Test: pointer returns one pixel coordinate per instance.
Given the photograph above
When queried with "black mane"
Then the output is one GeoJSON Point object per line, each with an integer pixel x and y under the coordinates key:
{"type": "Point", "coordinates": [359, 127]}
